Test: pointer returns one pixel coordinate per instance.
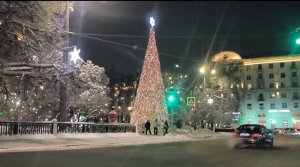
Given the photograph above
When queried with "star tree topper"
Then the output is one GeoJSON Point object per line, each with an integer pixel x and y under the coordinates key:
{"type": "Point", "coordinates": [152, 22]}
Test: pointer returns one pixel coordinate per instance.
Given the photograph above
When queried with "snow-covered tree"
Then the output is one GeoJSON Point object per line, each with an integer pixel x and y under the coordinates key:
{"type": "Point", "coordinates": [90, 89]}
{"type": "Point", "coordinates": [33, 41]}
{"type": "Point", "coordinates": [219, 89]}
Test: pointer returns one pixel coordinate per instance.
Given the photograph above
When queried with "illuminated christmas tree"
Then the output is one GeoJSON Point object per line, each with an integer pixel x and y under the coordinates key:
{"type": "Point", "coordinates": [150, 100]}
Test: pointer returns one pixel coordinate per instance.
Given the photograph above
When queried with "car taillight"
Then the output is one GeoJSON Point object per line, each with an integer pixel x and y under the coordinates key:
{"type": "Point", "coordinates": [256, 135]}
{"type": "Point", "coordinates": [234, 134]}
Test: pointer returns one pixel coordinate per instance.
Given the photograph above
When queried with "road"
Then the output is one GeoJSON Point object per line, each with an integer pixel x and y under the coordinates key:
{"type": "Point", "coordinates": [209, 153]}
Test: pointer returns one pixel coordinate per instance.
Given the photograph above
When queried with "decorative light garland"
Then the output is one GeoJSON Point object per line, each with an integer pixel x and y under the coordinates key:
{"type": "Point", "coordinates": [150, 103]}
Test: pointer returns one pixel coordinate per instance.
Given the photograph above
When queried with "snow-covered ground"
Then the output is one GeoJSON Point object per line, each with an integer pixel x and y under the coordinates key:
{"type": "Point", "coordinates": [20, 143]}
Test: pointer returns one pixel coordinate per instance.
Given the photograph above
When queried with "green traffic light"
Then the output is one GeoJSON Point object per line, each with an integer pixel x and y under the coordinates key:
{"type": "Point", "coordinates": [171, 98]}
{"type": "Point", "coordinates": [298, 41]}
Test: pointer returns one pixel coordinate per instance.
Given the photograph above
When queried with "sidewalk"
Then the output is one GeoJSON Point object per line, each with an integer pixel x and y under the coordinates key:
{"type": "Point", "coordinates": [48, 142]}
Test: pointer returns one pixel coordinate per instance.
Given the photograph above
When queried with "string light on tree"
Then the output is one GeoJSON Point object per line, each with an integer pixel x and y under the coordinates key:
{"type": "Point", "coordinates": [150, 102]}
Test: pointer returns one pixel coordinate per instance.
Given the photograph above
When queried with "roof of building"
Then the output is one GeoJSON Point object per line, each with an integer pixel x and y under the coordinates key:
{"type": "Point", "coordinates": [226, 55]}
{"type": "Point", "coordinates": [273, 59]}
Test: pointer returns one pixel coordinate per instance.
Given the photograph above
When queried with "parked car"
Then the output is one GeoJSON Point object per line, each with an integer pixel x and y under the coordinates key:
{"type": "Point", "coordinates": [252, 134]}
{"type": "Point", "coordinates": [281, 131]}
{"type": "Point", "coordinates": [296, 132]}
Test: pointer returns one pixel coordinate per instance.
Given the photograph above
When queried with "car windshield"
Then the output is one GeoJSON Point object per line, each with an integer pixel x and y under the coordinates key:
{"type": "Point", "coordinates": [249, 129]}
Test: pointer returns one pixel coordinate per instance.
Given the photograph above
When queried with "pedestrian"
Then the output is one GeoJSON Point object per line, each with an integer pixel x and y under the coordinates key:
{"type": "Point", "coordinates": [166, 127]}
{"type": "Point", "coordinates": [155, 125]}
{"type": "Point", "coordinates": [147, 126]}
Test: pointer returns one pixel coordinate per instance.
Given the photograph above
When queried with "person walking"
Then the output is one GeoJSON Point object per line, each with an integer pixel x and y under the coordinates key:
{"type": "Point", "coordinates": [147, 126]}
{"type": "Point", "coordinates": [155, 125]}
{"type": "Point", "coordinates": [166, 127]}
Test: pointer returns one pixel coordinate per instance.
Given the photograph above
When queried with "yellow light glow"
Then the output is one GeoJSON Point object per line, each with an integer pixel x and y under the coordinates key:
{"type": "Point", "coordinates": [202, 70]}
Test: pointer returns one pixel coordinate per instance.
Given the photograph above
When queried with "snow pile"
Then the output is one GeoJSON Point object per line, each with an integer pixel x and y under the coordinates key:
{"type": "Point", "coordinates": [20, 143]}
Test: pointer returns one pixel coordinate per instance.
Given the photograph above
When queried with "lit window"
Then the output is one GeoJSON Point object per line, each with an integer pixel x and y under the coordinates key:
{"type": "Point", "coordinates": [272, 95]}
{"type": "Point", "coordinates": [249, 86]}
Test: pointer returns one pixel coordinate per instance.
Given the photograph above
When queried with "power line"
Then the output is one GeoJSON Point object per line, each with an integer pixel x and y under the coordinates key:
{"type": "Point", "coordinates": [125, 45]}
{"type": "Point", "coordinates": [186, 36]}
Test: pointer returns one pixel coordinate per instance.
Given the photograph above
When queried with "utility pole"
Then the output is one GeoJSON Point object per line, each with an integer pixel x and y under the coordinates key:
{"type": "Point", "coordinates": [63, 86]}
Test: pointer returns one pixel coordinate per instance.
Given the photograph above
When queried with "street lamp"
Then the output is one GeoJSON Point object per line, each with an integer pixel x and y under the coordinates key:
{"type": "Point", "coordinates": [213, 71]}
{"type": "Point", "coordinates": [202, 70]}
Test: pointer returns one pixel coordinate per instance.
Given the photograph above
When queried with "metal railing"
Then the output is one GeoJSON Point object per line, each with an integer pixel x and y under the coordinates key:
{"type": "Point", "coordinates": [32, 128]}
{"type": "Point", "coordinates": [24, 128]}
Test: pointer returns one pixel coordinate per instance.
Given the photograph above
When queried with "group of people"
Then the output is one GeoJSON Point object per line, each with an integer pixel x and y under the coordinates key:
{"type": "Point", "coordinates": [155, 125]}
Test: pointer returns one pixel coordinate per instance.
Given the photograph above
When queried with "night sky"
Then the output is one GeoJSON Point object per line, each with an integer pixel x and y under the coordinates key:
{"type": "Point", "coordinates": [186, 32]}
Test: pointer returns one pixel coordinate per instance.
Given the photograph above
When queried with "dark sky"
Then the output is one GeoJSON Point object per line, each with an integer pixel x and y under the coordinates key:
{"type": "Point", "coordinates": [186, 32]}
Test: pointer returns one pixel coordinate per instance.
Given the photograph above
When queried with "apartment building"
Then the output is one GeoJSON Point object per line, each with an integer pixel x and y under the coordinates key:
{"type": "Point", "coordinates": [269, 89]}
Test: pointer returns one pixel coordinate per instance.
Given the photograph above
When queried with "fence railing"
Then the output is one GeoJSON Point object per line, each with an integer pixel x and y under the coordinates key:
{"type": "Point", "coordinates": [31, 128]}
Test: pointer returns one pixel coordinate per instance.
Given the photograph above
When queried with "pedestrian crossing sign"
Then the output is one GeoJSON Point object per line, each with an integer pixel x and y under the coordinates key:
{"type": "Point", "coordinates": [190, 101]}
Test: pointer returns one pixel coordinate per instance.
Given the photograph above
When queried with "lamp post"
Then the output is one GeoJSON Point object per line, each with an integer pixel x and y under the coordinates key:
{"type": "Point", "coordinates": [203, 72]}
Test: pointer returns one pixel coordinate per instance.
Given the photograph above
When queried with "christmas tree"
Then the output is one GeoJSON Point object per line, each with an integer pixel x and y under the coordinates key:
{"type": "Point", "coordinates": [150, 103]}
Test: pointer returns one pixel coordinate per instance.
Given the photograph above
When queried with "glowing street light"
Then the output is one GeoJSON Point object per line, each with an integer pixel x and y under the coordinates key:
{"type": "Point", "coordinates": [213, 71]}
{"type": "Point", "coordinates": [202, 70]}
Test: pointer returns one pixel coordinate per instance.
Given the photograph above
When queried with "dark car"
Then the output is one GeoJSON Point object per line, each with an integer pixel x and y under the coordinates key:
{"type": "Point", "coordinates": [252, 134]}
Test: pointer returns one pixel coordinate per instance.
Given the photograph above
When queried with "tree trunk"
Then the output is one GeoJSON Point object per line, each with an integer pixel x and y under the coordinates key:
{"type": "Point", "coordinates": [62, 109]}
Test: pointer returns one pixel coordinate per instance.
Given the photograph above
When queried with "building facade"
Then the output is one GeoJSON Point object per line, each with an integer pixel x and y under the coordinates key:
{"type": "Point", "coordinates": [269, 89]}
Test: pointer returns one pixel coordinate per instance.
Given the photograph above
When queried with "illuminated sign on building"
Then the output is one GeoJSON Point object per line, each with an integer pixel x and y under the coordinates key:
{"type": "Point", "coordinates": [279, 110]}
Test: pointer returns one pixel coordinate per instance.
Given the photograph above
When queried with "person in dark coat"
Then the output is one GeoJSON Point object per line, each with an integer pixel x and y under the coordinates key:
{"type": "Point", "coordinates": [155, 125]}
{"type": "Point", "coordinates": [147, 126]}
{"type": "Point", "coordinates": [166, 127]}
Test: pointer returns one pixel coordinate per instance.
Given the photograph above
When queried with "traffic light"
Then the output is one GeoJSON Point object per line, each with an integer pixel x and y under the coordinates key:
{"type": "Point", "coordinates": [195, 109]}
{"type": "Point", "coordinates": [172, 97]}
